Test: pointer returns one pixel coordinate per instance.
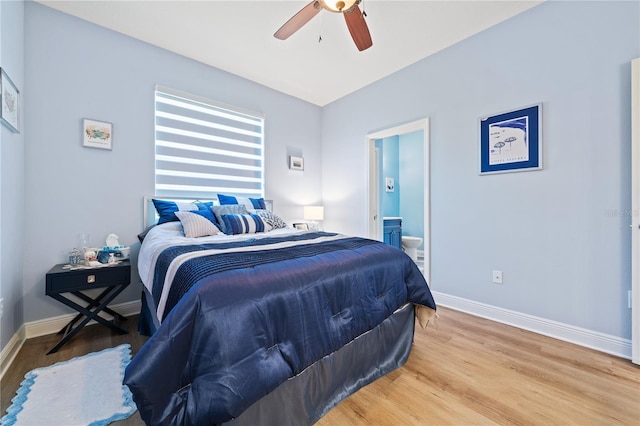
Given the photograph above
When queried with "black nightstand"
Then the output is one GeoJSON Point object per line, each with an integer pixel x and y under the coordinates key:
{"type": "Point", "coordinates": [113, 278]}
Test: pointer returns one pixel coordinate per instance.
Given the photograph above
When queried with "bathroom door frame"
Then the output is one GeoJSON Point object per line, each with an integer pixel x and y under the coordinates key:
{"type": "Point", "coordinates": [373, 182]}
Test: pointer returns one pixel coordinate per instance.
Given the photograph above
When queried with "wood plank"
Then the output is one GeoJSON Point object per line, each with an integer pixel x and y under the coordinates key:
{"type": "Point", "coordinates": [471, 370]}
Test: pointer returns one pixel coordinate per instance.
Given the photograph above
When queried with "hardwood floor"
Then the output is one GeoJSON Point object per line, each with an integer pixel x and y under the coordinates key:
{"type": "Point", "coordinates": [90, 339]}
{"type": "Point", "coordinates": [474, 371]}
{"type": "Point", "coordinates": [467, 370]}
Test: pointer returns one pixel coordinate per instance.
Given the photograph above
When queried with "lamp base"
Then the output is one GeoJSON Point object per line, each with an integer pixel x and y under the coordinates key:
{"type": "Point", "coordinates": [314, 225]}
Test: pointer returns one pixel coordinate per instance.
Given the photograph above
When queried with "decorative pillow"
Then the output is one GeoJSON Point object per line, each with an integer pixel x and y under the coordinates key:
{"type": "Point", "coordinates": [250, 203]}
{"type": "Point", "coordinates": [219, 211]}
{"type": "Point", "coordinates": [167, 209]}
{"type": "Point", "coordinates": [204, 205]}
{"type": "Point", "coordinates": [270, 219]}
{"type": "Point", "coordinates": [198, 223]}
{"type": "Point", "coordinates": [243, 224]}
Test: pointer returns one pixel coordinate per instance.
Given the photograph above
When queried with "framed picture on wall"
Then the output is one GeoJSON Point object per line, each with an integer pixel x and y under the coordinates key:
{"type": "Point", "coordinates": [511, 141]}
{"type": "Point", "coordinates": [296, 163]}
{"type": "Point", "coordinates": [389, 184]}
{"type": "Point", "coordinates": [10, 111]}
{"type": "Point", "coordinates": [96, 134]}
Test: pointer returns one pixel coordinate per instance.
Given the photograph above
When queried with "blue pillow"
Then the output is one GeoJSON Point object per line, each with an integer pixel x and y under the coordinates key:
{"type": "Point", "coordinates": [227, 199]}
{"type": "Point", "coordinates": [167, 209]}
{"type": "Point", "coordinates": [250, 203]}
{"type": "Point", "coordinates": [220, 211]}
{"type": "Point", "coordinates": [258, 203]}
{"type": "Point", "coordinates": [243, 224]}
{"type": "Point", "coordinates": [204, 205]}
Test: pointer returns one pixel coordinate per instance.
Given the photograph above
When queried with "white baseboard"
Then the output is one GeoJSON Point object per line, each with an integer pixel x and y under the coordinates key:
{"type": "Point", "coordinates": [10, 351]}
{"type": "Point", "coordinates": [580, 336]}
{"type": "Point", "coordinates": [51, 326]}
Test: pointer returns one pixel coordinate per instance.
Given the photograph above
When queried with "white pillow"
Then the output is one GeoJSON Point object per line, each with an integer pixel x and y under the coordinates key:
{"type": "Point", "coordinates": [195, 224]}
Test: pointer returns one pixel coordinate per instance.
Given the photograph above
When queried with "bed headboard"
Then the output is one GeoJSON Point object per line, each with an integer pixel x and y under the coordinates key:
{"type": "Point", "coordinates": [150, 216]}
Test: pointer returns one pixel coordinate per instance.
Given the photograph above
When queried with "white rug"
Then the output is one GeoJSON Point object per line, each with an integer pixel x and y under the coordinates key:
{"type": "Point", "coordinates": [86, 390]}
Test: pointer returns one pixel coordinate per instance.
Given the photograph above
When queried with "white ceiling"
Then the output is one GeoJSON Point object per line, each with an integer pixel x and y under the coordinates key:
{"type": "Point", "coordinates": [237, 36]}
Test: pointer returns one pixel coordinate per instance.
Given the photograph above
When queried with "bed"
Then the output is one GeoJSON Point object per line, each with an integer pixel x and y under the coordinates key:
{"type": "Point", "coordinates": [270, 327]}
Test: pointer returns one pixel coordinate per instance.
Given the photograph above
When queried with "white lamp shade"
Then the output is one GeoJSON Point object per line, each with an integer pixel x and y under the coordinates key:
{"type": "Point", "coordinates": [313, 213]}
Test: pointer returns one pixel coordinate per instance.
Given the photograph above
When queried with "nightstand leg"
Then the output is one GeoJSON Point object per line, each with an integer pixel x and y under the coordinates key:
{"type": "Point", "coordinates": [92, 304]}
{"type": "Point", "coordinates": [71, 331]}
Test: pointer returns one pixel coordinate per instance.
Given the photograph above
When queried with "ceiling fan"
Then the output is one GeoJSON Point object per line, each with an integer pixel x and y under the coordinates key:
{"type": "Point", "coordinates": [352, 15]}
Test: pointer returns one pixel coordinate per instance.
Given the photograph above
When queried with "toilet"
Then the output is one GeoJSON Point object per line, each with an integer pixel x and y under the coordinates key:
{"type": "Point", "coordinates": [410, 246]}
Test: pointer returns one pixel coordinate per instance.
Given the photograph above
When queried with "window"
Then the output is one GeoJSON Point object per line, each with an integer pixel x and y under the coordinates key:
{"type": "Point", "coordinates": [204, 148]}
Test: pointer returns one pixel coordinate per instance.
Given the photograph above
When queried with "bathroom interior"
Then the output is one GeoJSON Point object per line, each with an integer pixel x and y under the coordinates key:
{"type": "Point", "coordinates": [402, 191]}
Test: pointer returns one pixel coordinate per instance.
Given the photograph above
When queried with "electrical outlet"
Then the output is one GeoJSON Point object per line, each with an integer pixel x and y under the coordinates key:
{"type": "Point", "coordinates": [497, 277]}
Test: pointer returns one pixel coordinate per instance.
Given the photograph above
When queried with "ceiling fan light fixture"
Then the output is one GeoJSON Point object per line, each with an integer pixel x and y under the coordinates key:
{"type": "Point", "coordinates": [349, 8]}
{"type": "Point", "coordinates": [338, 6]}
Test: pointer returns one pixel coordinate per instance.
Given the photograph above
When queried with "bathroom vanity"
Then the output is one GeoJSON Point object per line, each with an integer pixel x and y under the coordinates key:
{"type": "Point", "coordinates": [393, 231]}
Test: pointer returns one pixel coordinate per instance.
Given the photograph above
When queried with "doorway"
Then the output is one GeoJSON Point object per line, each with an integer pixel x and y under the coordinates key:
{"type": "Point", "coordinates": [374, 183]}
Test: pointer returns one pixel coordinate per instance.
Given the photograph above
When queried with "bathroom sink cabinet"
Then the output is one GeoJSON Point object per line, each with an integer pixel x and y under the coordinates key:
{"type": "Point", "coordinates": [393, 232]}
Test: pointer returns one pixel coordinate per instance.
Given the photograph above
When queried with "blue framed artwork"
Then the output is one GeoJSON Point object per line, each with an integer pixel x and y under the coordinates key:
{"type": "Point", "coordinates": [511, 141]}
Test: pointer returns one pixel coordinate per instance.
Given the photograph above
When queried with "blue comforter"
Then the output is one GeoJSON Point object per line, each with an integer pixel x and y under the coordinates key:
{"type": "Point", "coordinates": [241, 323]}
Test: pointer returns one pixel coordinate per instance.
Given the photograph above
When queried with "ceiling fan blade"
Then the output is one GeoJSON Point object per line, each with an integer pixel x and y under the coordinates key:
{"type": "Point", "coordinates": [358, 28]}
{"type": "Point", "coordinates": [298, 20]}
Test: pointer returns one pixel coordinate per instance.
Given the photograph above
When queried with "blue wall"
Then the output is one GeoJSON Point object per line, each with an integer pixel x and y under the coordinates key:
{"type": "Point", "coordinates": [565, 255]}
{"type": "Point", "coordinates": [390, 201]}
{"type": "Point", "coordinates": [12, 175]}
{"type": "Point", "coordinates": [74, 70]}
{"type": "Point", "coordinates": [411, 164]}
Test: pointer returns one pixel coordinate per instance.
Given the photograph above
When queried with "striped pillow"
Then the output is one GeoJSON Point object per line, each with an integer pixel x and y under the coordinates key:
{"type": "Point", "coordinates": [244, 224]}
{"type": "Point", "coordinates": [198, 223]}
{"type": "Point", "coordinates": [220, 211]}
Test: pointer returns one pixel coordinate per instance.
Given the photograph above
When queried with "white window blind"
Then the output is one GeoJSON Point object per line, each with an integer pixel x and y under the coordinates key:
{"type": "Point", "coordinates": [204, 148]}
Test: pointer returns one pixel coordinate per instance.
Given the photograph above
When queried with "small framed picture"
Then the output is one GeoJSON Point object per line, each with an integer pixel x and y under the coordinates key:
{"type": "Point", "coordinates": [97, 134]}
{"type": "Point", "coordinates": [301, 226]}
{"type": "Point", "coordinates": [511, 141]}
{"type": "Point", "coordinates": [10, 112]}
{"type": "Point", "coordinates": [389, 184]}
{"type": "Point", "coordinates": [296, 163]}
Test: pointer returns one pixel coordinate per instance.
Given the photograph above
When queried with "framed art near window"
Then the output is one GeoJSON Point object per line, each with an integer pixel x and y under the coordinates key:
{"type": "Point", "coordinates": [296, 163]}
{"type": "Point", "coordinates": [511, 141]}
{"type": "Point", "coordinates": [97, 134]}
{"type": "Point", "coordinates": [10, 112]}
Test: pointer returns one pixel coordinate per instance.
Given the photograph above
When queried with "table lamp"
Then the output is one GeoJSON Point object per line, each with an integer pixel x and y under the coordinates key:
{"type": "Point", "coordinates": [314, 214]}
